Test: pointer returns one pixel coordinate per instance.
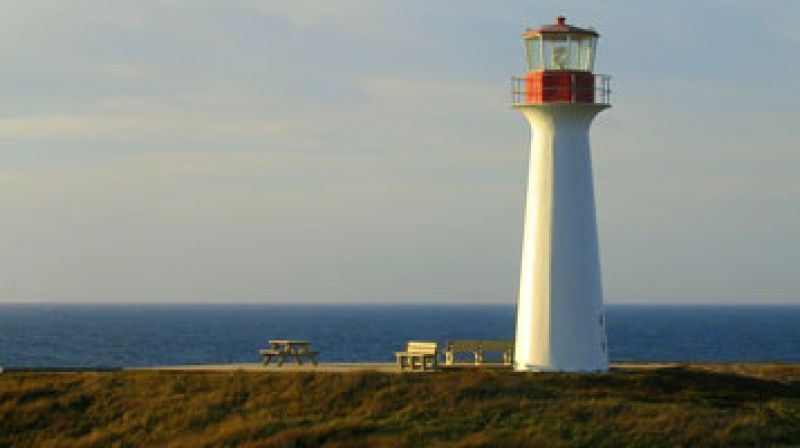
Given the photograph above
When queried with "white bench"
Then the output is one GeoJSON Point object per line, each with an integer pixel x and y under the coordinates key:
{"type": "Point", "coordinates": [478, 348]}
{"type": "Point", "coordinates": [419, 355]}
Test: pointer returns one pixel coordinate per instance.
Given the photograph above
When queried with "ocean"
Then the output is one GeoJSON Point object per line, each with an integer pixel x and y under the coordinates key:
{"type": "Point", "coordinates": [36, 336]}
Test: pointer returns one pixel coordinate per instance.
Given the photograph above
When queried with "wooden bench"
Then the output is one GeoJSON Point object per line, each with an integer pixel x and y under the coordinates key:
{"type": "Point", "coordinates": [478, 348]}
{"type": "Point", "coordinates": [419, 355]}
{"type": "Point", "coordinates": [282, 350]}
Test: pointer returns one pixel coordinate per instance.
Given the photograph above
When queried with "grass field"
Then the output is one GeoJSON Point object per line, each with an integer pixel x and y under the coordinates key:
{"type": "Point", "coordinates": [715, 405]}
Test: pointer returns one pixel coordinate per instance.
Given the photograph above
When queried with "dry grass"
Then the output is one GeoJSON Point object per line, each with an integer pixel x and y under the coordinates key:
{"type": "Point", "coordinates": [708, 406]}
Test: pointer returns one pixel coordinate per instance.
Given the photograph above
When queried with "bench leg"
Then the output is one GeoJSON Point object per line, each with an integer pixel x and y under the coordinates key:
{"type": "Point", "coordinates": [401, 361]}
{"type": "Point", "coordinates": [431, 362]}
{"type": "Point", "coordinates": [267, 359]}
{"type": "Point", "coordinates": [313, 359]}
{"type": "Point", "coordinates": [281, 359]}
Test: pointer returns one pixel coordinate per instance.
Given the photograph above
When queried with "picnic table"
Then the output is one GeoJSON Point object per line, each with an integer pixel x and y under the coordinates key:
{"type": "Point", "coordinates": [281, 349]}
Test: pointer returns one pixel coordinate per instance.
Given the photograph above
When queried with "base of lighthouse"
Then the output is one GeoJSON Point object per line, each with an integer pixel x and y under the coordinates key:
{"type": "Point", "coordinates": [560, 319]}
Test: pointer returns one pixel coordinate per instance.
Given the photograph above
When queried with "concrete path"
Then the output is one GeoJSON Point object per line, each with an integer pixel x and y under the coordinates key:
{"type": "Point", "coordinates": [257, 367]}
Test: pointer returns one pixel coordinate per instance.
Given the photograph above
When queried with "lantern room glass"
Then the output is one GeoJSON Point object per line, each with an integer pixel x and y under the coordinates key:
{"type": "Point", "coordinates": [533, 48]}
{"type": "Point", "coordinates": [574, 52]}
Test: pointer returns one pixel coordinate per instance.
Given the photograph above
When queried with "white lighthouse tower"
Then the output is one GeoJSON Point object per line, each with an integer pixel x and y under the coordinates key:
{"type": "Point", "coordinates": [560, 320]}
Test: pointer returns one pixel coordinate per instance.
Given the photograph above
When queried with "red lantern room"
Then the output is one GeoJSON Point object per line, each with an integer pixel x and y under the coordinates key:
{"type": "Point", "coordinates": [560, 63]}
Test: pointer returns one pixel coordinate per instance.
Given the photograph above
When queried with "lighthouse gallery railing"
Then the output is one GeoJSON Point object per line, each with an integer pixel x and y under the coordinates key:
{"type": "Point", "coordinates": [574, 91]}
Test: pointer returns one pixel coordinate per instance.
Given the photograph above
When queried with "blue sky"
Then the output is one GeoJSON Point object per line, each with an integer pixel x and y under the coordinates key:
{"type": "Point", "coordinates": [299, 150]}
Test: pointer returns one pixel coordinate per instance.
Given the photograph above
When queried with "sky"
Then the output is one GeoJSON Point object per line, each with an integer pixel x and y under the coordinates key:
{"type": "Point", "coordinates": [360, 151]}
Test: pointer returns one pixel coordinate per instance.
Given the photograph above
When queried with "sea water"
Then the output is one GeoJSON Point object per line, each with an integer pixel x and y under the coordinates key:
{"type": "Point", "coordinates": [151, 335]}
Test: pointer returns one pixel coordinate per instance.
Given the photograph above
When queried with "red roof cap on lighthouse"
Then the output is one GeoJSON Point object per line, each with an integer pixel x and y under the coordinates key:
{"type": "Point", "coordinates": [560, 27]}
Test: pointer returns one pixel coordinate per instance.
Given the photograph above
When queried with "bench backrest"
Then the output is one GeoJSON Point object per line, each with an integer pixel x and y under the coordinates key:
{"type": "Point", "coordinates": [486, 345]}
{"type": "Point", "coordinates": [495, 345]}
{"type": "Point", "coordinates": [463, 345]}
{"type": "Point", "coordinates": [422, 347]}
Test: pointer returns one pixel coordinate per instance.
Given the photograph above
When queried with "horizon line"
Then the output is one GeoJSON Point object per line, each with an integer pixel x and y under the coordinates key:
{"type": "Point", "coordinates": [351, 303]}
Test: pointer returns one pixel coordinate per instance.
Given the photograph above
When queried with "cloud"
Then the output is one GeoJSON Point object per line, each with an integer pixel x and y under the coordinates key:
{"type": "Point", "coordinates": [344, 15]}
{"type": "Point", "coordinates": [150, 125]}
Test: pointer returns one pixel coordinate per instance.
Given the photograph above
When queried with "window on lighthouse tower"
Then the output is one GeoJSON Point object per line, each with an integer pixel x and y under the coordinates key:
{"type": "Point", "coordinates": [561, 52]}
{"type": "Point", "coordinates": [534, 50]}
{"type": "Point", "coordinates": [560, 55]}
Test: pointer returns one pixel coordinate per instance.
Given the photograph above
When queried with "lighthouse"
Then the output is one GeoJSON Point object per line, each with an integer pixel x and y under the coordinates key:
{"type": "Point", "coordinates": [560, 319]}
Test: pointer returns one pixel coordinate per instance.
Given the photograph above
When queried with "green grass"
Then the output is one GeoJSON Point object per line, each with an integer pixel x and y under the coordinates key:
{"type": "Point", "coordinates": [757, 406]}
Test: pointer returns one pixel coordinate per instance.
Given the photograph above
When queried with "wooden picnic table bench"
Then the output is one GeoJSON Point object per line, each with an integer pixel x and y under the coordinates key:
{"type": "Point", "coordinates": [282, 349]}
{"type": "Point", "coordinates": [478, 348]}
{"type": "Point", "coordinates": [419, 355]}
